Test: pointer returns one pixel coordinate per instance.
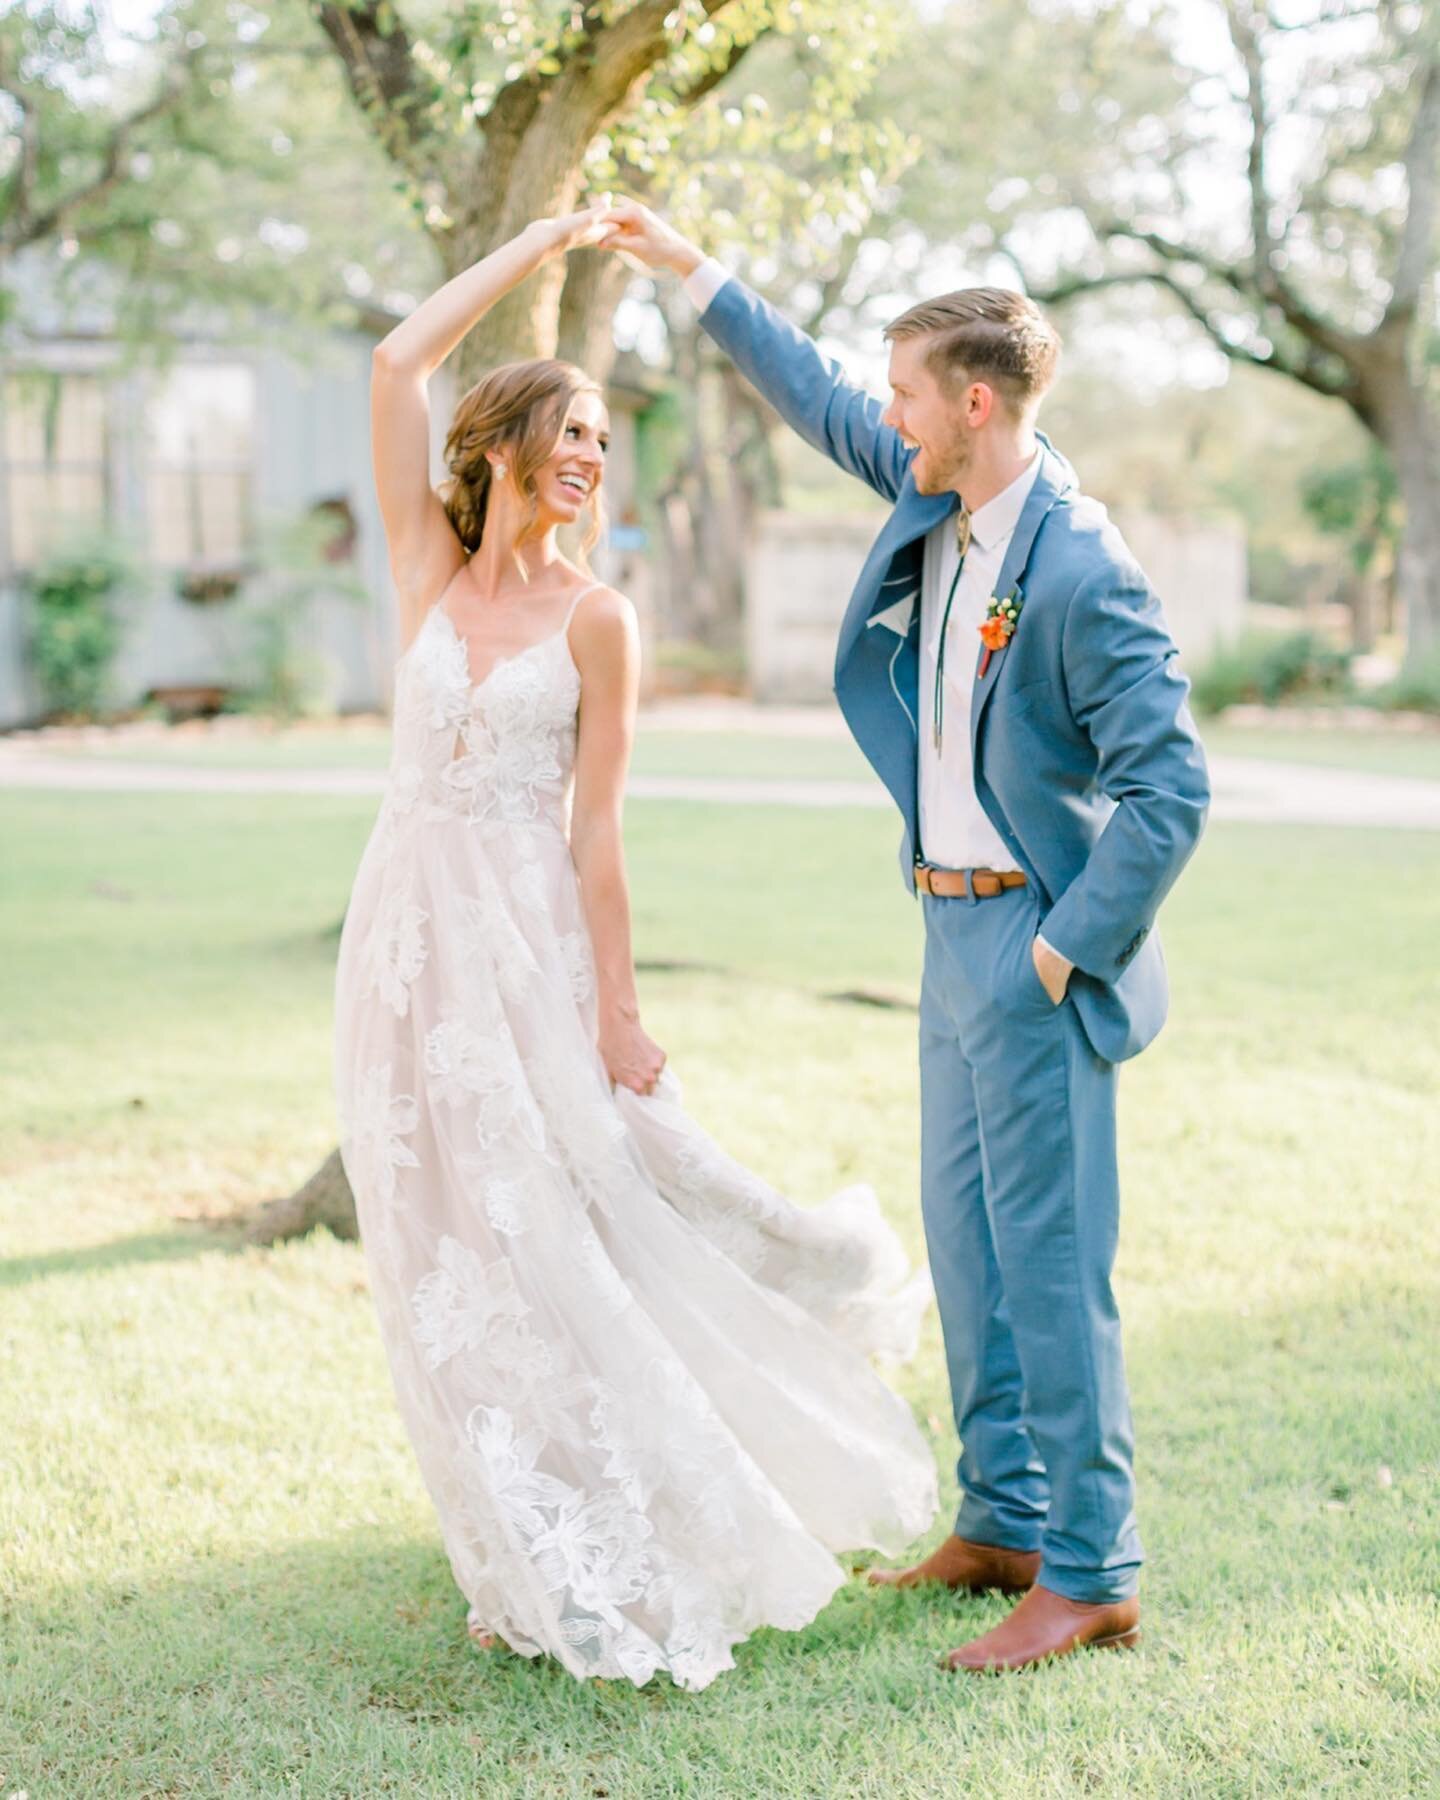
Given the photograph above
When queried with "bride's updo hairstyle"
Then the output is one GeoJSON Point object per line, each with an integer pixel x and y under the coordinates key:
{"type": "Point", "coordinates": [519, 409]}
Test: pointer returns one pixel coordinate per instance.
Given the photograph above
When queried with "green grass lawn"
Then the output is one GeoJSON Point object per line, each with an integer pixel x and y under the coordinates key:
{"type": "Point", "coordinates": [657, 752]}
{"type": "Point", "coordinates": [219, 1570]}
{"type": "Point", "coordinates": [1372, 753]}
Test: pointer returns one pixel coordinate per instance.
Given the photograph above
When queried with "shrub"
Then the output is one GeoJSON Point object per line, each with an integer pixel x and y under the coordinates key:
{"type": "Point", "coordinates": [274, 673]}
{"type": "Point", "coordinates": [1415, 689]}
{"type": "Point", "coordinates": [1261, 667]}
{"type": "Point", "coordinates": [75, 626]}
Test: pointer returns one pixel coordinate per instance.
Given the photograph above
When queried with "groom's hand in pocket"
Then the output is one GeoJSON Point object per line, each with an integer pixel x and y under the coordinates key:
{"type": "Point", "coordinates": [1052, 968]}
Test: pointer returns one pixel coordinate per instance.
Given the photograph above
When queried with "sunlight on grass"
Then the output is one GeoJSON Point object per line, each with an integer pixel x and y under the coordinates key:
{"type": "Point", "coordinates": [220, 1570]}
{"type": "Point", "coordinates": [1404, 753]}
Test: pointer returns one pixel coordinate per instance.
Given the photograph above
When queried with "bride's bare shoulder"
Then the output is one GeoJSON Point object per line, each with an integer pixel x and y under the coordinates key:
{"type": "Point", "coordinates": [604, 630]}
{"type": "Point", "coordinates": [600, 606]}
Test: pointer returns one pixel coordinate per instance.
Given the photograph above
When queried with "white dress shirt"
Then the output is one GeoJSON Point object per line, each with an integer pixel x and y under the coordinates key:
{"type": "Point", "coordinates": [704, 283]}
{"type": "Point", "coordinates": [955, 830]}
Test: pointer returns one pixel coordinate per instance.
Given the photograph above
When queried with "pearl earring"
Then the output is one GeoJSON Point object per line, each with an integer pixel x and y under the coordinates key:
{"type": "Point", "coordinates": [500, 471]}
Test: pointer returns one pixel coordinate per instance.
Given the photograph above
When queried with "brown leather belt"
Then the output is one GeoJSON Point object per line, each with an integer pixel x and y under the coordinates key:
{"type": "Point", "coordinates": [967, 884]}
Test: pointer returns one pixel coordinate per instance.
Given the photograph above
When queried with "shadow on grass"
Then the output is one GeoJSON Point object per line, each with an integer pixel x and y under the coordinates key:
{"type": "Point", "coordinates": [364, 1622]}
{"type": "Point", "coordinates": [1279, 1558]}
{"type": "Point", "coordinates": [156, 1246]}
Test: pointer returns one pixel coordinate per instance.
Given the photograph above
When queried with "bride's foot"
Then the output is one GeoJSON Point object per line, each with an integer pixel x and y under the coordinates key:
{"type": "Point", "coordinates": [480, 1636]}
{"type": "Point", "coordinates": [958, 1563]}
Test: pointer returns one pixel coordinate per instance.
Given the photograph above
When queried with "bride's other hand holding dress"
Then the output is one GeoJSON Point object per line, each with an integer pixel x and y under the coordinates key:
{"type": "Point", "coordinates": [607, 654]}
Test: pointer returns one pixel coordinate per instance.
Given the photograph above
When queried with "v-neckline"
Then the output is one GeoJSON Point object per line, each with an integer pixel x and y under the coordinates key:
{"type": "Point", "coordinates": [501, 662]}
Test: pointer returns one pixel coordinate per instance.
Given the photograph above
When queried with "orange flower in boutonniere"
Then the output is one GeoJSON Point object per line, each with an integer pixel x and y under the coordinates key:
{"type": "Point", "coordinates": [1001, 618]}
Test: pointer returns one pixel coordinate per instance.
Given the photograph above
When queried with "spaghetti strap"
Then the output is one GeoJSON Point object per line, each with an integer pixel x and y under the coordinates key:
{"type": "Point", "coordinates": [576, 601]}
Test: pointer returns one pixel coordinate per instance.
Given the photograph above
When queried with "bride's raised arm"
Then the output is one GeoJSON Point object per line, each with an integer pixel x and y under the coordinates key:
{"type": "Point", "coordinates": [424, 550]}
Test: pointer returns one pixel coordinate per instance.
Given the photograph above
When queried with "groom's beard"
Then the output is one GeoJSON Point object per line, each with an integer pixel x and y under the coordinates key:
{"type": "Point", "coordinates": [942, 470]}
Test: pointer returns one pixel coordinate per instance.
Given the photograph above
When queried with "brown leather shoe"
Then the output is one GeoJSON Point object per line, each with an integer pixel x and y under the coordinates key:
{"type": "Point", "coordinates": [1046, 1625]}
{"type": "Point", "coordinates": [961, 1564]}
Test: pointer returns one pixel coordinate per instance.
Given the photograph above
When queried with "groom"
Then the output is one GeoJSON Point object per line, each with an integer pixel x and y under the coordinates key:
{"type": "Point", "coordinates": [1006, 668]}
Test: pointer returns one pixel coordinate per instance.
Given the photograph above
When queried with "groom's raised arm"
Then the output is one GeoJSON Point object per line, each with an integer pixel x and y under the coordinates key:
{"type": "Point", "coordinates": [811, 392]}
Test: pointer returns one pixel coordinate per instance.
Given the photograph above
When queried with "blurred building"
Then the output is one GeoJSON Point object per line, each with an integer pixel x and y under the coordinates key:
{"type": "Point", "coordinates": [802, 566]}
{"type": "Point", "coordinates": [193, 469]}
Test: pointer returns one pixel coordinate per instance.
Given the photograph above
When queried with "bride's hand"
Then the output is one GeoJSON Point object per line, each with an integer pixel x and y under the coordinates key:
{"type": "Point", "coordinates": [632, 1059]}
{"type": "Point", "coordinates": [634, 230]}
{"type": "Point", "coordinates": [574, 231]}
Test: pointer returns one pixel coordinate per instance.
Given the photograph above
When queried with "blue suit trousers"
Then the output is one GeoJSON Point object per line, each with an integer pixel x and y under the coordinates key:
{"type": "Point", "coordinates": [1020, 1193]}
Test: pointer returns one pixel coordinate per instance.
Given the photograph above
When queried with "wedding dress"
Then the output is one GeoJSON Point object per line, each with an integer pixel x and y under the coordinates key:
{"type": "Point", "coordinates": [635, 1376]}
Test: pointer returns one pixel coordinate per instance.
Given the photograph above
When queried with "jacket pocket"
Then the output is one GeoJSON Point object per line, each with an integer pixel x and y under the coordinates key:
{"type": "Point", "coordinates": [1030, 696]}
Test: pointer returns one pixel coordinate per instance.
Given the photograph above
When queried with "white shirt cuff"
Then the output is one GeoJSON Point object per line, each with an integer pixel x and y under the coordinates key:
{"type": "Point", "coordinates": [1040, 935]}
{"type": "Point", "coordinates": [704, 283]}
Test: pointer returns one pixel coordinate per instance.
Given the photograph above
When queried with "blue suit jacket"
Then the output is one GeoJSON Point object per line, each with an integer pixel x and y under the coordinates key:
{"type": "Point", "coordinates": [1086, 757]}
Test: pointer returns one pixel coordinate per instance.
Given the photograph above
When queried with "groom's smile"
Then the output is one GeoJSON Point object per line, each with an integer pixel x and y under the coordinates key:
{"type": "Point", "coordinates": [930, 419]}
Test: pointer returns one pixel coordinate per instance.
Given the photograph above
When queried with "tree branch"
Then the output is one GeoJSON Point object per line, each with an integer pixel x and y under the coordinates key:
{"type": "Point", "coordinates": [1268, 284]}
{"type": "Point", "coordinates": [1340, 14]}
{"type": "Point", "coordinates": [514, 107]}
{"type": "Point", "coordinates": [1171, 252]}
{"type": "Point", "coordinates": [1415, 258]}
{"type": "Point", "coordinates": [712, 77]}
{"type": "Point", "coordinates": [1243, 35]}
{"type": "Point", "coordinates": [21, 226]}
{"type": "Point", "coordinates": [833, 287]}
{"type": "Point", "coordinates": [1308, 371]}
{"type": "Point", "coordinates": [22, 184]}
{"type": "Point", "coordinates": [591, 85]}
{"type": "Point", "coordinates": [616, 56]}
{"type": "Point", "coordinates": [1312, 329]}
{"type": "Point", "coordinates": [382, 72]}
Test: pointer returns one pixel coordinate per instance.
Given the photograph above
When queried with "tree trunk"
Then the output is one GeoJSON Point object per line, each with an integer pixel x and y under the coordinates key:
{"type": "Point", "coordinates": [676, 563]}
{"type": "Point", "coordinates": [595, 283]}
{"type": "Point", "coordinates": [726, 471]}
{"type": "Point", "coordinates": [753, 474]}
{"type": "Point", "coordinates": [1362, 596]}
{"type": "Point", "coordinates": [523, 323]}
{"type": "Point", "coordinates": [692, 588]}
{"type": "Point", "coordinates": [325, 1199]}
{"type": "Point", "coordinates": [1410, 436]}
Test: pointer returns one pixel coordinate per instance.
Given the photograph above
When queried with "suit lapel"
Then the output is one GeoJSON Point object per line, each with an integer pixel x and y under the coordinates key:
{"type": "Point", "coordinates": [875, 658]}
{"type": "Point", "coordinates": [1055, 479]}
{"type": "Point", "coordinates": [875, 669]}
{"type": "Point", "coordinates": [897, 555]}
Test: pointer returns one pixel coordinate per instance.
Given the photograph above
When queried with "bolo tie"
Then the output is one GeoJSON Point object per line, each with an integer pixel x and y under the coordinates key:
{"type": "Point", "coordinates": [962, 544]}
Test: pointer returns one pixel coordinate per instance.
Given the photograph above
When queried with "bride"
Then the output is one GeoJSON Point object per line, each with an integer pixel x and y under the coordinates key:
{"type": "Point", "coordinates": [635, 1376]}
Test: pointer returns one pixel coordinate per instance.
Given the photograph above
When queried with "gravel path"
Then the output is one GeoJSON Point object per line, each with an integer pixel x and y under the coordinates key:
{"type": "Point", "coordinates": [1247, 789]}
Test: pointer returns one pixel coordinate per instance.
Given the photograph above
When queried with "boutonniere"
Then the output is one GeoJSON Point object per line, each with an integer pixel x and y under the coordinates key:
{"type": "Point", "coordinates": [1001, 618]}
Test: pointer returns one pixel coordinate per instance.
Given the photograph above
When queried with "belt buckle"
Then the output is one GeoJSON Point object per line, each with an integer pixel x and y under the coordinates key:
{"type": "Point", "coordinates": [922, 877]}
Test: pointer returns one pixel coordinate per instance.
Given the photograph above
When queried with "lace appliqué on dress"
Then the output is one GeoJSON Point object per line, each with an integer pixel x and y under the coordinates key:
{"type": "Point", "coordinates": [631, 1370]}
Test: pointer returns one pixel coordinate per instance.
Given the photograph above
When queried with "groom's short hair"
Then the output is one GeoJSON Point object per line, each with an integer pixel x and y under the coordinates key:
{"type": "Point", "coordinates": [985, 334]}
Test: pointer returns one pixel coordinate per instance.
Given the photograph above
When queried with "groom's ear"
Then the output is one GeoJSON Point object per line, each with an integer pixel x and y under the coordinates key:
{"type": "Point", "coordinates": [979, 404]}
